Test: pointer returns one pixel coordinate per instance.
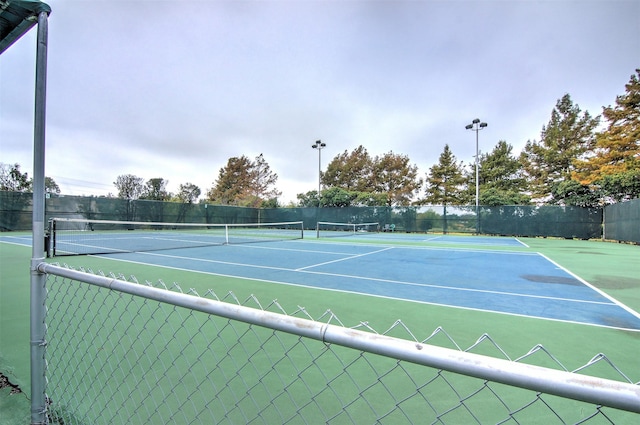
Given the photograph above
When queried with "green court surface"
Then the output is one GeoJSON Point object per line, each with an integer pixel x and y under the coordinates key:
{"type": "Point", "coordinates": [612, 268]}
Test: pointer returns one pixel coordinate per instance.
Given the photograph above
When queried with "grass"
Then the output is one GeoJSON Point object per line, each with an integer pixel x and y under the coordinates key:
{"type": "Point", "coordinates": [613, 268]}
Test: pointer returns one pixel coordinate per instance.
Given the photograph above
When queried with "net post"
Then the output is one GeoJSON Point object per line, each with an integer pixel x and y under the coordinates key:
{"type": "Point", "coordinates": [226, 233]}
{"type": "Point", "coordinates": [317, 230]}
{"type": "Point", "coordinates": [48, 239]}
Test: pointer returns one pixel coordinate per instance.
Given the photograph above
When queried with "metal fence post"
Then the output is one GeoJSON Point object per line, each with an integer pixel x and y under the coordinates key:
{"type": "Point", "coordinates": [38, 279]}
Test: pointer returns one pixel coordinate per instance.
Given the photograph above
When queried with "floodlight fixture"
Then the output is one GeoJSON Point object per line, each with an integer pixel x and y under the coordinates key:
{"type": "Point", "coordinates": [476, 126]}
{"type": "Point", "coordinates": [319, 144]}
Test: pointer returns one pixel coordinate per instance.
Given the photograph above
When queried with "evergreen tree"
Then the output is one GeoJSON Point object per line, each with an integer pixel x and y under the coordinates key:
{"type": "Point", "coordinates": [567, 137]}
{"type": "Point", "coordinates": [501, 179]}
{"type": "Point", "coordinates": [263, 180]}
{"type": "Point", "coordinates": [232, 185]}
{"type": "Point", "coordinates": [614, 166]}
{"type": "Point", "coordinates": [446, 183]}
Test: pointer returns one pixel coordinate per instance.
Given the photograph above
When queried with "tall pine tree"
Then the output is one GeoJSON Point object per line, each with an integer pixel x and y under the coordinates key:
{"type": "Point", "coordinates": [614, 167]}
{"type": "Point", "coordinates": [446, 184]}
{"type": "Point", "coordinates": [501, 179]}
{"type": "Point", "coordinates": [551, 161]}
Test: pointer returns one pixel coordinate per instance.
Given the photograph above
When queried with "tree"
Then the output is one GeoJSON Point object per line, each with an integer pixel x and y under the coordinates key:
{"type": "Point", "coordinates": [621, 186]}
{"type": "Point", "coordinates": [232, 183]}
{"type": "Point", "coordinates": [14, 201]}
{"type": "Point", "coordinates": [308, 200]}
{"type": "Point", "coordinates": [188, 193]}
{"type": "Point", "coordinates": [615, 163]}
{"type": "Point", "coordinates": [493, 197]}
{"type": "Point", "coordinates": [13, 180]}
{"type": "Point", "coordinates": [50, 185]}
{"type": "Point", "coordinates": [573, 193]}
{"type": "Point", "coordinates": [501, 179]}
{"type": "Point", "coordinates": [271, 203]}
{"type": "Point", "coordinates": [350, 171]}
{"type": "Point", "coordinates": [244, 182]}
{"type": "Point", "coordinates": [263, 181]}
{"type": "Point", "coordinates": [156, 190]}
{"type": "Point", "coordinates": [390, 177]}
{"type": "Point", "coordinates": [129, 187]}
{"type": "Point", "coordinates": [368, 199]}
{"type": "Point", "coordinates": [446, 182]}
{"type": "Point", "coordinates": [567, 137]}
{"type": "Point", "coordinates": [336, 197]}
{"type": "Point", "coordinates": [395, 176]}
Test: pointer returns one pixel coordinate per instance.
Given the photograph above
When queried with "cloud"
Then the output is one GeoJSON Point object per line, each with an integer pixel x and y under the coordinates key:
{"type": "Point", "coordinates": [174, 89]}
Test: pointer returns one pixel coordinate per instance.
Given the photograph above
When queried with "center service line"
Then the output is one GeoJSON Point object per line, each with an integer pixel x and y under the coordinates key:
{"type": "Point", "coordinates": [343, 259]}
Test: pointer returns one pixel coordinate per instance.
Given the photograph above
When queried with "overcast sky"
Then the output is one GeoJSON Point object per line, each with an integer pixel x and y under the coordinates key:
{"type": "Point", "coordinates": [173, 89]}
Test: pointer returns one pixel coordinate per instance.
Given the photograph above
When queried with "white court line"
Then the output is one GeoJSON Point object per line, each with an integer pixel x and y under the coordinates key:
{"type": "Point", "coordinates": [343, 259]}
{"type": "Point", "coordinates": [22, 241]}
{"type": "Point", "coordinates": [599, 291]}
{"type": "Point", "coordinates": [338, 275]}
{"type": "Point", "coordinates": [271, 248]}
{"type": "Point", "coordinates": [428, 248]}
{"type": "Point", "coordinates": [365, 294]}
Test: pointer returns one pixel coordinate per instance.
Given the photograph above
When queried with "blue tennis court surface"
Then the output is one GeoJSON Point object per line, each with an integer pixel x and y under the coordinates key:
{"type": "Point", "coordinates": [509, 282]}
{"type": "Point", "coordinates": [451, 239]}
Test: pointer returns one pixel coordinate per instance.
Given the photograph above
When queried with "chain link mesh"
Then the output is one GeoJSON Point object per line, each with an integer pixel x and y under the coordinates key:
{"type": "Point", "coordinates": [114, 358]}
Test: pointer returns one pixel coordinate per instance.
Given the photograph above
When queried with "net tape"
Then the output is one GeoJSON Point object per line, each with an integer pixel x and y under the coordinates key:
{"type": "Point", "coordinates": [82, 237]}
{"type": "Point", "coordinates": [329, 229]}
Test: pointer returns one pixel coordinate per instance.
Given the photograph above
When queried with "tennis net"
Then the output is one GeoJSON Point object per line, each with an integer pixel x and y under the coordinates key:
{"type": "Point", "coordinates": [82, 236]}
{"type": "Point", "coordinates": [327, 229]}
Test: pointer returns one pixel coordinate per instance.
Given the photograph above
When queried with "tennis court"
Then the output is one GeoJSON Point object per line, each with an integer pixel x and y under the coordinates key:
{"type": "Point", "coordinates": [493, 274]}
{"type": "Point", "coordinates": [574, 297]}
{"type": "Point", "coordinates": [522, 283]}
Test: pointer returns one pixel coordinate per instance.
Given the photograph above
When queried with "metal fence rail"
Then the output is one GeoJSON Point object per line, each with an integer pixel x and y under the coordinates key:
{"type": "Point", "coordinates": [124, 352]}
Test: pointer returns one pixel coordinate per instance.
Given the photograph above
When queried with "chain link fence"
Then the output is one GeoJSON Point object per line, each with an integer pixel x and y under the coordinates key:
{"type": "Point", "coordinates": [519, 220]}
{"type": "Point", "coordinates": [121, 352]}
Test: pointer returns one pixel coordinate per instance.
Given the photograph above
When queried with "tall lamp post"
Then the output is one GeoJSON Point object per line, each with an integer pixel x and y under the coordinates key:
{"type": "Point", "coordinates": [476, 126]}
{"type": "Point", "coordinates": [319, 145]}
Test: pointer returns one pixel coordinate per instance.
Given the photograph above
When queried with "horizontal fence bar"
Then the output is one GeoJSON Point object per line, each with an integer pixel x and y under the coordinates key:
{"type": "Point", "coordinates": [605, 392]}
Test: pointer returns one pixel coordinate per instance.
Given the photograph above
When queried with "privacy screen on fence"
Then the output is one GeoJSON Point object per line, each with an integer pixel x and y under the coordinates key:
{"type": "Point", "coordinates": [621, 220]}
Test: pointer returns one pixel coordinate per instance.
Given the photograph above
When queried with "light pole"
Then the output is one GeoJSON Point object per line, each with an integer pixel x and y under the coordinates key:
{"type": "Point", "coordinates": [319, 145]}
{"type": "Point", "coordinates": [476, 126]}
